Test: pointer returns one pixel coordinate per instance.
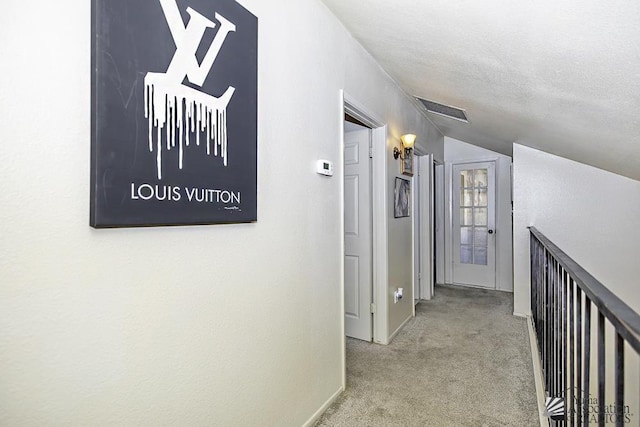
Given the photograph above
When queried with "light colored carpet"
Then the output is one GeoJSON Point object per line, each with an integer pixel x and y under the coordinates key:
{"type": "Point", "coordinates": [464, 360]}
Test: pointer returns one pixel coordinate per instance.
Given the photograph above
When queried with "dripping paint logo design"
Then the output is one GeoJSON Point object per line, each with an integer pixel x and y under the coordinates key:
{"type": "Point", "coordinates": [180, 110]}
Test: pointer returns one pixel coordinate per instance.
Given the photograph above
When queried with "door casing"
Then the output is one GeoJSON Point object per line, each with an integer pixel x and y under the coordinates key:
{"type": "Point", "coordinates": [424, 224]}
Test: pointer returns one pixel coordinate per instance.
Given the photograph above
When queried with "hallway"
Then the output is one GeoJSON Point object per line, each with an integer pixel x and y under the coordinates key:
{"type": "Point", "coordinates": [464, 360]}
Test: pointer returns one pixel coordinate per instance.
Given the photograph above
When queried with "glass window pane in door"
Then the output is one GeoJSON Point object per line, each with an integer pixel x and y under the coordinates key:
{"type": "Point", "coordinates": [480, 217]}
{"type": "Point", "coordinates": [480, 197]}
{"type": "Point", "coordinates": [479, 255]}
{"type": "Point", "coordinates": [466, 197]}
{"type": "Point", "coordinates": [466, 254]}
{"type": "Point", "coordinates": [480, 178]}
{"type": "Point", "coordinates": [481, 236]}
{"type": "Point", "coordinates": [466, 178]}
{"type": "Point", "coordinates": [466, 235]}
{"type": "Point", "coordinates": [466, 216]}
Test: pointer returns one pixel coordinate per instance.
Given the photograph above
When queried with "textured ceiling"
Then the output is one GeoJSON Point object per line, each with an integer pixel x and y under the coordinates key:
{"type": "Point", "coordinates": [561, 76]}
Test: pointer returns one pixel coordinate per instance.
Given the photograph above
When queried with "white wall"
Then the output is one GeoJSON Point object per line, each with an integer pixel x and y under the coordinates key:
{"type": "Point", "coordinates": [400, 234]}
{"type": "Point", "coordinates": [226, 325]}
{"type": "Point", "coordinates": [589, 213]}
{"type": "Point", "coordinates": [456, 151]}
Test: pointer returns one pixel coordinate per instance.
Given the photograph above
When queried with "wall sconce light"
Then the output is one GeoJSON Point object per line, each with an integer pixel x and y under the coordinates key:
{"type": "Point", "coordinates": [408, 142]}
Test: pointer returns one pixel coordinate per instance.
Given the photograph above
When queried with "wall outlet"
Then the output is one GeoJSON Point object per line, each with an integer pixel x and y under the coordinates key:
{"type": "Point", "coordinates": [397, 295]}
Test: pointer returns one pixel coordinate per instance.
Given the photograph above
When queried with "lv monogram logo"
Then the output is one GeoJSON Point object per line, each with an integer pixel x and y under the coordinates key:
{"type": "Point", "coordinates": [178, 113]}
{"type": "Point", "coordinates": [187, 40]}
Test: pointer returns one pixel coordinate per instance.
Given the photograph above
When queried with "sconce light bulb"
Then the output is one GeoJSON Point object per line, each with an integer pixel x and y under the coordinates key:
{"type": "Point", "coordinates": [408, 140]}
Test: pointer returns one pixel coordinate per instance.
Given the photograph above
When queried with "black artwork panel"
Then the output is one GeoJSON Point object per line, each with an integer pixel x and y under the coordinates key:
{"type": "Point", "coordinates": [174, 113]}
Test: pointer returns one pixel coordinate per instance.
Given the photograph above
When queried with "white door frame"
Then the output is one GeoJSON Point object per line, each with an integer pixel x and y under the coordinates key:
{"type": "Point", "coordinates": [440, 210]}
{"type": "Point", "coordinates": [425, 186]}
{"type": "Point", "coordinates": [428, 289]}
{"type": "Point", "coordinates": [379, 219]}
{"type": "Point", "coordinates": [416, 212]}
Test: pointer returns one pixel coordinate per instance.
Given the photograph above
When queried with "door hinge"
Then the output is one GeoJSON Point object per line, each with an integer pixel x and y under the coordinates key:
{"type": "Point", "coordinates": [372, 308]}
{"type": "Point", "coordinates": [370, 150]}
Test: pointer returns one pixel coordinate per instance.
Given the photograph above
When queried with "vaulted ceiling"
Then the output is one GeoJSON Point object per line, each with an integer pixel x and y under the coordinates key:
{"type": "Point", "coordinates": [562, 76]}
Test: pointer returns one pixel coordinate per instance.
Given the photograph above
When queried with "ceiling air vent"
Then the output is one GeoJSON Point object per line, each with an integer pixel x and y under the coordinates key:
{"type": "Point", "coordinates": [444, 110]}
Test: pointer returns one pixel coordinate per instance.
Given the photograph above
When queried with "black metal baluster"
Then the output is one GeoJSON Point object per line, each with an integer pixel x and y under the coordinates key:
{"type": "Point", "coordinates": [538, 296]}
{"type": "Point", "coordinates": [547, 328]}
{"type": "Point", "coordinates": [559, 336]}
{"type": "Point", "coordinates": [552, 326]}
{"type": "Point", "coordinates": [557, 304]}
{"type": "Point", "coordinates": [569, 406]}
{"type": "Point", "coordinates": [563, 337]}
{"type": "Point", "coordinates": [619, 384]}
{"type": "Point", "coordinates": [552, 333]}
{"type": "Point", "coordinates": [541, 303]}
{"type": "Point", "coordinates": [543, 307]}
{"type": "Point", "coordinates": [558, 329]}
{"type": "Point", "coordinates": [579, 388]}
{"type": "Point", "coordinates": [544, 326]}
{"type": "Point", "coordinates": [563, 350]}
{"type": "Point", "coordinates": [558, 333]}
{"type": "Point", "coordinates": [601, 369]}
{"type": "Point", "coordinates": [534, 278]}
{"type": "Point", "coordinates": [587, 360]}
{"type": "Point", "coordinates": [543, 300]}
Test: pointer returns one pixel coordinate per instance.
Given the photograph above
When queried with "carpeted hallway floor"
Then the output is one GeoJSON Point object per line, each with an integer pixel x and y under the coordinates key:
{"type": "Point", "coordinates": [464, 360]}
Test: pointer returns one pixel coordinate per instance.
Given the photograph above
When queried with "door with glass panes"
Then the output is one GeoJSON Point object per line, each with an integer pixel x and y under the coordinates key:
{"type": "Point", "coordinates": [474, 242]}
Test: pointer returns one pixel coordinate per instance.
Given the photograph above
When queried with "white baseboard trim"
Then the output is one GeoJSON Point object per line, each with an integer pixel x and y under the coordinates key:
{"type": "Point", "coordinates": [537, 372]}
{"type": "Point", "coordinates": [315, 417]}
{"type": "Point", "coordinates": [397, 331]}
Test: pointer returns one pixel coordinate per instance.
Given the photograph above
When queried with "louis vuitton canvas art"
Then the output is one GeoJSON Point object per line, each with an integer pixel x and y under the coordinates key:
{"type": "Point", "coordinates": [174, 113]}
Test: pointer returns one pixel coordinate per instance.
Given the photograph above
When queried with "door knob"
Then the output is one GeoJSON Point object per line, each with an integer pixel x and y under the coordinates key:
{"type": "Point", "coordinates": [490, 231]}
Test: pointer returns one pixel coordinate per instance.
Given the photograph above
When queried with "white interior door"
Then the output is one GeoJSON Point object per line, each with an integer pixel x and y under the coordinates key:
{"type": "Point", "coordinates": [357, 236]}
{"type": "Point", "coordinates": [473, 219]}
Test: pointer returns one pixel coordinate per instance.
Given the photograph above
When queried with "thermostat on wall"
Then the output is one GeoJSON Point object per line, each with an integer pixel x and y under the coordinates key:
{"type": "Point", "coordinates": [325, 167]}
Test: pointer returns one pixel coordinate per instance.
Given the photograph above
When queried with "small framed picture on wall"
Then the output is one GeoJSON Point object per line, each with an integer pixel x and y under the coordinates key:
{"type": "Point", "coordinates": [402, 198]}
{"type": "Point", "coordinates": [407, 162]}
